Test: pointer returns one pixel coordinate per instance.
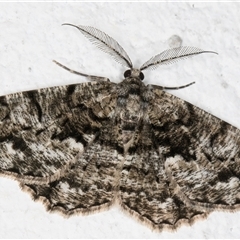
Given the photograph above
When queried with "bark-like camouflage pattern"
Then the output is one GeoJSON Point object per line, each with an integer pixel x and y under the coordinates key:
{"type": "Point", "coordinates": [81, 148]}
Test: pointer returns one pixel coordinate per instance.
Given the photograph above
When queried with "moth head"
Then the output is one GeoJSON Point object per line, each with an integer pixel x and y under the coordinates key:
{"type": "Point", "coordinates": [134, 73]}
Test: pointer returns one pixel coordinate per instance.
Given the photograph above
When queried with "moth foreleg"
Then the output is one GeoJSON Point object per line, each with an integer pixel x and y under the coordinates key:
{"type": "Point", "coordinates": [90, 77]}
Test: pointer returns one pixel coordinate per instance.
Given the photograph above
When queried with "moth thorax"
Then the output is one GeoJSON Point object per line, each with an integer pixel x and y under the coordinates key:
{"type": "Point", "coordinates": [134, 73]}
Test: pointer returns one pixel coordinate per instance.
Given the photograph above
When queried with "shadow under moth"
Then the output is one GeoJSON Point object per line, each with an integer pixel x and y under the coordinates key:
{"type": "Point", "coordinates": [81, 148]}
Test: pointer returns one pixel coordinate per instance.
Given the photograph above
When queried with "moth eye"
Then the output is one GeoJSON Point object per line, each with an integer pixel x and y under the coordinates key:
{"type": "Point", "coordinates": [127, 73]}
{"type": "Point", "coordinates": [141, 76]}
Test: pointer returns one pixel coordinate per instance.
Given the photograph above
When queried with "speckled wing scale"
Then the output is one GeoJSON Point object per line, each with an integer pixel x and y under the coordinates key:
{"type": "Point", "coordinates": [81, 148]}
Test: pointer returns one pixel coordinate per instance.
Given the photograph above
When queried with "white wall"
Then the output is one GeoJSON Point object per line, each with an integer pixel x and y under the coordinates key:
{"type": "Point", "coordinates": [31, 36]}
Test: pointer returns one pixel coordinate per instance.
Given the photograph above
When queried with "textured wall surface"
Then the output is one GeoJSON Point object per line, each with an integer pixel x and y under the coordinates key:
{"type": "Point", "coordinates": [31, 36]}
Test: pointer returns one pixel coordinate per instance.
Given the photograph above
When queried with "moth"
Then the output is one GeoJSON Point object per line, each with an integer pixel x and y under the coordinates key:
{"type": "Point", "coordinates": [83, 147]}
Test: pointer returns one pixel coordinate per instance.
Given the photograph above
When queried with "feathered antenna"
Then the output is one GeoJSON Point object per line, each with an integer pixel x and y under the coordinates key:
{"type": "Point", "coordinates": [105, 43]}
{"type": "Point", "coordinates": [172, 55]}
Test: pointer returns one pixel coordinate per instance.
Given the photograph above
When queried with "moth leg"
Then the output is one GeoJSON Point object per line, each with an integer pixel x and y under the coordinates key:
{"type": "Point", "coordinates": [90, 77]}
{"type": "Point", "coordinates": [171, 88]}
